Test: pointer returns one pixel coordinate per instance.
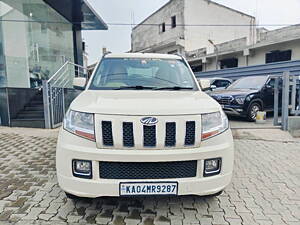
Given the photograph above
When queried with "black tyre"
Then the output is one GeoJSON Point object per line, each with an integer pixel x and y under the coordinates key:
{"type": "Point", "coordinates": [70, 196]}
{"type": "Point", "coordinates": [214, 195]}
{"type": "Point", "coordinates": [252, 111]}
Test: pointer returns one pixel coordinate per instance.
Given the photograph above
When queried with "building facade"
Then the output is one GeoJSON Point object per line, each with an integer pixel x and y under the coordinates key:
{"type": "Point", "coordinates": [278, 45]}
{"type": "Point", "coordinates": [36, 38]}
{"type": "Point", "coordinates": [181, 26]}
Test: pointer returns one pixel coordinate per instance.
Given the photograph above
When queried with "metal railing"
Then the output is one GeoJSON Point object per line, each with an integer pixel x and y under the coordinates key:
{"type": "Point", "coordinates": [53, 92]}
{"type": "Point", "coordinates": [258, 70]}
{"type": "Point", "coordinates": [290, 98]}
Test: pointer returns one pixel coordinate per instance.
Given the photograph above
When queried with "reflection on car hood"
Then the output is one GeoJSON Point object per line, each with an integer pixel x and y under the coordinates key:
{"type": "Point", "coordinates": [143, 102]}
{"type": "Point", "coordinates": [233, 92]}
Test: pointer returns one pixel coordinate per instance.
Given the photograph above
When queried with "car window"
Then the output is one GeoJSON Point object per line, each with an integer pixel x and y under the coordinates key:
{"type": "Point", "coordinates": [249, 83]}
{"type": "Point", "coordinates": [221, 83]}
{"type": "Point", "coordinates": [114, 73]}
{"type": "Point", "coordinates": [271, 82]}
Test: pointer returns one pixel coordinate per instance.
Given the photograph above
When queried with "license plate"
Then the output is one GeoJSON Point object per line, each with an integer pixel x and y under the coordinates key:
{"type": "Point", "coordinates": [148, 188]}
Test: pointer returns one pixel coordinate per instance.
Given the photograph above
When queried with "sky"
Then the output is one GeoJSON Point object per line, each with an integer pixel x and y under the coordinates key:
{"type": "Point", "coordinates": [117, 38]}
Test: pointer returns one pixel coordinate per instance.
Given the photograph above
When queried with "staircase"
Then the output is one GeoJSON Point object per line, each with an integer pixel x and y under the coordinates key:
{"type": "Point", "coordinates": [32, 115]}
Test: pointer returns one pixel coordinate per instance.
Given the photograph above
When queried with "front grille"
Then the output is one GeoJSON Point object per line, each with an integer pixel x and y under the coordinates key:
{"type": "Point", "coordinates": [225, 100]}
{"type": "Point", "coordinates": [190, 133]}
{"type": "Point", "coordinates": [125, 134]}
{"type": "Point", "coordinates": [128, 140]}
{"type": "Point", "coordinates": [147, 170]}
{"type": "Point", "coordinates": [170, 140]}
{"type": "Point", "coordinates": [149, 136]}
{"type": "Point", "coordinates": [107, 133]}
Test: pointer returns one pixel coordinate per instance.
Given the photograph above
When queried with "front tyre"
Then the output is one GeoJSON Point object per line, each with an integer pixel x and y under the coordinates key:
{"type": "Point", "coordinates": [214, 195]}
{"type": "Point", "coordinates": [252, 111]}
{"type": "Point", "coordinates": [70, 196]}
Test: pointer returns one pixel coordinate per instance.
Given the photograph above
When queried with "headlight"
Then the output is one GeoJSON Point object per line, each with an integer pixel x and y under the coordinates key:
{"type": "Point", "coordinates": [240, 99]}
{"type": "Point", "coordinates": [213, 124]}
{"type": "Point", "coordinates": [81, 124]}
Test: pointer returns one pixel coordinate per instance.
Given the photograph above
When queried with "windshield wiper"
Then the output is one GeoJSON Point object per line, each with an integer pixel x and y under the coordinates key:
{"type": "Point", "coordinates": [175, 88]}
{"type": "Point", "coordinates": [137, 87]}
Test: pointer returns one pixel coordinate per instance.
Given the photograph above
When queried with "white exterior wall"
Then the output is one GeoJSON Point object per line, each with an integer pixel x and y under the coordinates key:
{"type": "Point", "coordinates": [258, 55]}
{"type": "Point", "coordinates": [211, 65]}
{"type": "Point", "coordinates": [205, 12]}
{"type": "Point", "coordinates": [191, 37]}
{"type": "Point", "coordinates": [144, 37]}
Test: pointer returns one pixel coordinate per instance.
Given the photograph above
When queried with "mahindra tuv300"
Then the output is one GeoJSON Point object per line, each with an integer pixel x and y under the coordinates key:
{"type": "Point", "coordinates": [143, 126]}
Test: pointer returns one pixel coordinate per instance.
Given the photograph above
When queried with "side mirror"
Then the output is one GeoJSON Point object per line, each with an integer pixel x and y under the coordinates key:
{"type": "Point", "coordinates": [268, 86]}
{"type": "Point", "coordinates": [213, 87]}
{"type": "Point", "coordinates": [204, 84]}
{"type": "Point", "coordinates": [79, 83]}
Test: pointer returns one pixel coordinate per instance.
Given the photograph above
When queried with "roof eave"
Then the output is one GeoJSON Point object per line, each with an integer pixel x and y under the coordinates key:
{"type": "Point", "coordinates": [104, 25]}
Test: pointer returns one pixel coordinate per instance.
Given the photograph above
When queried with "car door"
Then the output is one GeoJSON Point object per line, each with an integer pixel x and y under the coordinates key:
{"type": "Point", "coordinates": [268, 94]}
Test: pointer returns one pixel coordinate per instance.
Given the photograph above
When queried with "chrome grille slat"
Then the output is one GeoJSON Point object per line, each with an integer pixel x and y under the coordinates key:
{"type": "Point", "coordinates": [225, 100]}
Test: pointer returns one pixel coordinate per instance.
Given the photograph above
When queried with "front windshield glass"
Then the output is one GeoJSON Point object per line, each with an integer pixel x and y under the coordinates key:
{"type": "Point", "coordinates": [249, 83]}
{"type": "Point", "coordinates": [122, 73]}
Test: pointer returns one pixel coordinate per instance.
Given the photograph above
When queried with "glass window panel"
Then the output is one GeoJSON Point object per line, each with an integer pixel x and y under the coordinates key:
{"type": "Point", "coordinates": [38, 46]}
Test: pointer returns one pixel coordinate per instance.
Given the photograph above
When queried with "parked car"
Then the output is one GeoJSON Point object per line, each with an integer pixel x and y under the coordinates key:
{"type": "Point", "coordinates": [217, 83]}
{"type": "Point", "coordinates": [246, 96]}
{"type": "Point", "coordinates": [143, 126]}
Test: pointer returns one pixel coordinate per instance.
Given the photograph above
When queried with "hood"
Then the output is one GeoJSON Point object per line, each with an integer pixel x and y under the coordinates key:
{"type": "Point", "coordinates": [133, 102]}
{"type": "Point", "coordinates": [233, 92]}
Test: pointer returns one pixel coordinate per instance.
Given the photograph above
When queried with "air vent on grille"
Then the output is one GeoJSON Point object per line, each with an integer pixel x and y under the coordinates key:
{"type": "Point", "coordinates": [107, 133]}
{"type": "Point", "coordinates": [170, 134]}
{"type": "Point", "coordinates": [149, 136]}
{"type": "Point", "coordinates": [128, 140]}
{"type": "Point", "coordinates": [190, 133]}
{"type": "Point", "coordinates": [147, 170]}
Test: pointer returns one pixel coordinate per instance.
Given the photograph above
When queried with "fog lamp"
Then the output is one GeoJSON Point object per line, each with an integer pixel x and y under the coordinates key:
{"type": "Point", "coordinates": [212, 167]}
{"type": "Point", "coordinates": [82, 168]}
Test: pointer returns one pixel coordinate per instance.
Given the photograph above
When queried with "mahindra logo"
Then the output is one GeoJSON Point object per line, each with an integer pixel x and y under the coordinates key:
{"type": "Point", "coordinates": [149, 121]}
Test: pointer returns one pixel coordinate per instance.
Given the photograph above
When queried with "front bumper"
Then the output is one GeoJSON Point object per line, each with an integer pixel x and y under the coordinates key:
{"type": "Point", "coordinates": [234, 110]}
{"type": "Point", "coordinates": [71, 147]}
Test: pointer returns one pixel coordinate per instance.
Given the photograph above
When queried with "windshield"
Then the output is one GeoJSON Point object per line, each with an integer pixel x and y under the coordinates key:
{"type": "Point", "coordinates": [125, 73]}
{"type": "Point", "coordinates": [249, 83]}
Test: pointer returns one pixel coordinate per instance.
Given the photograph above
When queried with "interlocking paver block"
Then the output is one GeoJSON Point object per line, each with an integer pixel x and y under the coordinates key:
{"type": "Point", "coordinates": [34, 213]}
{"type": "Point", "coordinates": [46, 216]}
{"type": "Point", "coordinates": [133, 217]}
{"type": "Point", "coordinates": [264, 190]}
{"type": "Point", "coordinates": [53, 208]}
{"type": "Point", "coordinates": [104, 217]}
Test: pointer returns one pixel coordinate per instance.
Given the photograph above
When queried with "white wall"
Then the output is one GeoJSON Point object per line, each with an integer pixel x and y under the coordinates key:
{"type": "Point", "coordinates": [146, 36]}
{"type": "Point", "coordinates": [205, 12]}
{"type": "Point", "coordinates": [258, 56]}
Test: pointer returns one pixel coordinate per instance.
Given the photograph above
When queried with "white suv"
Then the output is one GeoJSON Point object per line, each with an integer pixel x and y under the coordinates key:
{"type": "Point", "coordinates": [144, 127]}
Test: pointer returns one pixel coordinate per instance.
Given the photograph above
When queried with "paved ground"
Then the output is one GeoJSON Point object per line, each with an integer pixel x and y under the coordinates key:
{"type": "Point", "coordinates": [265, 188]}
{"type": "Point", "coordinates": [240, 123]}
